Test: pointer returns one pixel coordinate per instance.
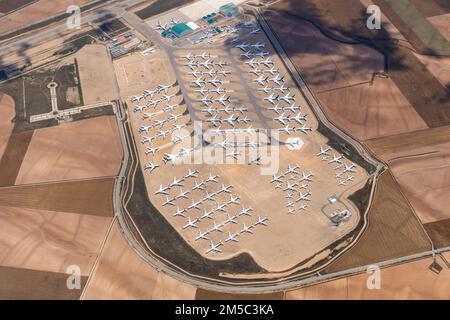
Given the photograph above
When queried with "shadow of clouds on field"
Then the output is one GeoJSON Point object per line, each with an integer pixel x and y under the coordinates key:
{"type": "Point", "coordinates": [345, 21]}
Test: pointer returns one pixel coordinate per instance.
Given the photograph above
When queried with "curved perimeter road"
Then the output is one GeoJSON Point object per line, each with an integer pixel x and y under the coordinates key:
{"type": "Point", "coordinates": [282, 285]}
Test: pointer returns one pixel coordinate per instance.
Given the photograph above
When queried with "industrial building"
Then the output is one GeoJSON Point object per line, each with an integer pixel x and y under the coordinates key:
{"type": "Point", "coordinates": [229, 10]}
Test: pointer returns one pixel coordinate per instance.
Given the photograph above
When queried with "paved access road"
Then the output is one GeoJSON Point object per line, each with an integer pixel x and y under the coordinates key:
{"type": "Point", "coordinates": [117, 8]}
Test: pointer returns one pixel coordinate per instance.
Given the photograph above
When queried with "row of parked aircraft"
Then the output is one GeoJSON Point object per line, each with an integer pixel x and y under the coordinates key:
{"type": "Point", "coordinates": [232, 237]}
{"type": "Point", "coordinates": [226, 109]}
{"type": "Point", "coordinates": [211, 213]}
{"type": "Point", "coordinates": [207, 64]}
{"type": "Point", "coordinates": [296, 186]}
{"type": "Point", "coordinates": [201, 82]}
{"type": "Point", "coordinates": [232, 120]}
{"type": "Point", "coordinates": [204, 55]}
{"type": "Point", "coordinates": [165, 26]}
{"type": "Point", "coordinates": [284, 95]}
{"type": "Point", "coordinates": [162, 88]}
{"type": "Point", "coordinates": [211, 73]}
{"type": "Point", "coordinates": [341, 167]}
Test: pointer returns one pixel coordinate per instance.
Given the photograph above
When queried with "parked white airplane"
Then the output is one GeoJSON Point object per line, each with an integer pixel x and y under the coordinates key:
{"type": "Point", "coordinates": [287, 129]}
{"type": "Point", "coordinates": [292, 169]}
{"type": "Point", "coordinates": [206, 64]}
{"type": "Point", "coordinates": [148, 51]}
{"type": "Point", "coordinates": [195, 204]}
{"type": "Point", "coordinates": [177, 139]}
{"type": "Point", "coordinates": [137, 98]}
{"type": "Point", "coordinates": [220, 207]}
{"type": "Point", "coordinates": [282, 88]}
{"type": "Point", "coordinates": [303, 207]}
{"type": "Point", "coordinates": [182, 194]}
{"type": "Point", "coordinates": [162, 190]}
{"type": "Point", "coordinates": [215, 81]}
{"type": "Point", "coordinates": [170, 157]}
{"type": "Point", "coordinates": [204, 55]}
{"type": "Point", "coordinates": [149, 115]}
{"type": "Point", "coordinates": [207, 214]}
{"type": "Point", "coordinates": [258, 45]}
{"type": "Point", "coordinates": [245, 212]}
{"type": "Point", "coordinates": [232, 237]}
{"type": "Point", "coordinates": [188, 56]}
{"type": "Point", "coordinates": [267, 62]}
{"type": "Point", "coordinates": [168, 201]}
{"type": "Point", "coordinates": [282, 119]}
{"type": "Point", "coordinates": [151, 166]}
{"type": "Point", "coordinates": [212, 178]}
{"type": "Point", "coordinates": [243, 46]}
{"type": "Point", "coordinates": [222, 99]}
{"type": "Point", "coordinates": [209, 196]}
{"type": "Point", "coordinates": [290, 186]}
{"type": "Point", "coordinates": [261, 54]}
{"type": "Point", "coordinates": [349, 168]}
{"type": "Point", "coordinates": [160, 26]}
{"type": "Point", "coordinates": [150, 93]}
{"type": "Point", "coordinates": [177, 127]}
{"type": "Point", "coordinates": [336, 159]}
{"type": "Point", "coordinates": [277, 79]}
{"type": "Point", "coordinates": [306, 176]}
{"type": "Point", "coordinates": [198, 186]}
{"type": "Point", "coordinates": [261, 80]}
{"type": "Point", "coordinates": [233, 200]}
{"type": "Point", "coordinates": [191, 223]}
{"type": "Point", "coordinates": [191, 174]}
{"type": "Point", "coordinates": [223, 72]}
{"type": "Point", "coordinates": [272, 70]}
{"type": "Point", "coordinates": [276, 178]}
{"type": "Point", "coordinates": [299, 118]}
{"type": "Point", "coordinates": [214, 247]}
{"type": "Point", "coordinates": [179, 212]}
{"type": "Point", "coordinates": [255, 31]}
{"type": "Point", "coordinates": [255, 71]}
{"type": "Point", "coordinates": [210, 110]}
{"type": "Point", "coordinates": [248, 54]}
{"type": "Point", "coordinates": [231, 120]}
{"type": "Point", "coordinates": [199, 82]}
{"type": "Point", "coordinates": [246, 229]}
{"type": "Point", "coordinates": [167, 97]}
{"type": "Point", "coordinates": [303, 129]}
{"type": "Point", "coordinates": [139, 108]}
{"type": "Point", "coordinates": [202, 235]}
{"type": "Point", "coordinates": [304, 196]}
{"type": "Point", "coordinates": [191, 64]}
{"type": "Point", "coordinates": [275, 108]}
{"type": "Point", "coordinates": [230, 219]}
{"type": "Point", "coordinates": [272, 99]}
{"type": "Point", "coordinates": [220, 64]}
{"type": "Point", "coordinates": [287, 98]}
{"type": "Point", "coordinates": [164, 88]}
{"type": "Point", "coordinates": [151, 151]}
{"type": "Point", "coordinates": [261, 221]}
{"type": "Point", "coordinates": [303, 186]}
{"type": "Point", "coordinates": [176, 182]}
{"type": "Point", "coordinates": [216, 227]}
{"type": "Point", "coordinates": [252, 63]}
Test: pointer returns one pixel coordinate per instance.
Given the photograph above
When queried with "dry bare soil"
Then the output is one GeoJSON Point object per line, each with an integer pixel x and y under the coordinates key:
{"type": "Point", "coordinates": [393, 231]}
{"type": "Point", "coordinates": [76, 150]}
{"type": "Point", "coordinates": [420, 88]}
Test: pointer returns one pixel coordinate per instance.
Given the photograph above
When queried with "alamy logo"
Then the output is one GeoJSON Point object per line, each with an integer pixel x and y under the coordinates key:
{"type": "Point", "coordinates": [374, 20]}
{"type": "Point", "coordinates": [74, 20]}
{"type": "Point", "coordinates": [374, 280]}
{"type": "Point", "coordinates": [74, 280]}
